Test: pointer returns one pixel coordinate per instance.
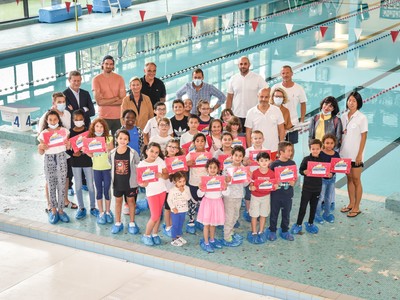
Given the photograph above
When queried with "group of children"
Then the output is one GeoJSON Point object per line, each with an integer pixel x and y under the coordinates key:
{"type": "Point", "coordinates": [181, 193]}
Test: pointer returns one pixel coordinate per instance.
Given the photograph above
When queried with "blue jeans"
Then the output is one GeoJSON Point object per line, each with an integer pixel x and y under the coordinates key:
{"type": "Point", "coordinates": [78, 185]}
{"type": "Point", "coordinates": [327, 195]}
{"type": "Point", "coordinates": [102, 180]}
{"type": "Point", "coordinates": [177, 224]}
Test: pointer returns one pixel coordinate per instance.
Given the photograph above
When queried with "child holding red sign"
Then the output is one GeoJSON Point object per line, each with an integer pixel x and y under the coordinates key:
{"type": "Point", "coordinates": [155, 192]}
{"type": "Point", "coordinates": [282, 198]}
{"type": "Point", "coordinates": [55, 164]}
{"type": "Point", "coordinates": [195, 173]}
{"type": "Point", "coordinates": [311, 190]}
{"type": "Point", "coordinates": [260, 198]}
{"type": "Point", "coordinates": [328, 184]}
{"type": "Point", "coordinates": [211, 211]}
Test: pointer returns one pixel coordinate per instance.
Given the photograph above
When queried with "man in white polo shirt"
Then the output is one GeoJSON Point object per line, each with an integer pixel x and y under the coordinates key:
{"type": "Point", "coordinates": [268, 119]}
{"type": "Point", "coordinates": [296, 95]}
{"type": "Point", "coordinates": [243, 89]}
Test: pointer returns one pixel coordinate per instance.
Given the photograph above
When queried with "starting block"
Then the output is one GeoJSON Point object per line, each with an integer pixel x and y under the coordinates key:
{"type": "Point", "coordinates": [18, 115]}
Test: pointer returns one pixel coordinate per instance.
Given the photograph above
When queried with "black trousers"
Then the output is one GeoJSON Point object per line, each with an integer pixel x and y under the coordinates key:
{"type": "Point", "coordinates": [308, 197]}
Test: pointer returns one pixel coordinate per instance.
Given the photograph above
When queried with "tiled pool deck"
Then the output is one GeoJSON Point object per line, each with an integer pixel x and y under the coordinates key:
{"type": "Point", "coordinates": [356, 257]}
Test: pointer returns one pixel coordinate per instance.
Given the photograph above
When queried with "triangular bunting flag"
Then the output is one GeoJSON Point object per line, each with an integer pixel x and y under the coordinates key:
{"type": "Point", "coordinates": [142, 13]}
{"type": "Point", "coordinates": [89, 8]}
{"type": "Point", "coordinates": [323, 30]}
{"type": "Point", "coordinates": [357, 32]}
{"type": "Point", "coordinates": [254, 24]}
{"type": "Point", "coordinates": [194, 20]}
{"type": "Point", "coordinates": [114, 11]}
{"type": "Point", "coordinates": [398, 61]}
{"type": "Point", "coordinates": [376, 59]}
{"type": "Point", "coordinates": [394, 35]}
{"type": "Point", "coordinates": [289, 28]}
{"type": "Point", "coordinates": [225, 21]}
{"type": "Point", "coordinates": [276, 52]}
{"type": "Point", "coordinates": [169, 17]}
{"type": "Point", "coordinates": [67, 5]}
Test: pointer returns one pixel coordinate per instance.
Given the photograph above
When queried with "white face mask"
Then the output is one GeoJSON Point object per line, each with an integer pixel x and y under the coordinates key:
{"type": "Point", "coordinates": [197, 82]}
{"type": "Point", "coordinates": [98, 133]}
{"type": "Point", "coordinates": [79, 123]}
{"type": "Point", "coordinates": [278, 100]}
{"type": "Point", "coordinates": [55, 126]}
{"type": "Point", "coordinates": [326, 113]}
{"type": "Point", "coordinates": [61, 107]}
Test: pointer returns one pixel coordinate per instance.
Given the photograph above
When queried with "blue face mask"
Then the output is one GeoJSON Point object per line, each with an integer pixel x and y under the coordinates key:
{"type": "Point", "coordinates": [61, 107]}
{"type": "Point", "coordinates": [98, 133]}
{"type": "Point", "coordinates": [197, 82]}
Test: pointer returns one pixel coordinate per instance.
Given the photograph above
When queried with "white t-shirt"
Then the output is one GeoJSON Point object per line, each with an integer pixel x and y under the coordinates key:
{"type": "Point", "coordinates": [267, 123]}
{"type": "Point", "coordinates": [161, 140]}
{"type": "Point", "coordinates": [296, 95]}
{"type": "Point", "coordinates": [152, 128]}
{"type": "Point", "coordinates": [351, 137]}
{"type": "Point", "coordinates": [65, 119]}
{"type": "Point", "coordinates": [245, 90]}
{"type": "Point", "coordinates": [179, 200]}
{"type": "Point", "coordinates": [157, 187]}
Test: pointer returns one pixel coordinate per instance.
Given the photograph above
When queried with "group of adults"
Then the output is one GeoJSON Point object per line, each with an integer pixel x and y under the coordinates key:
{"type": "Point", "coordinates": [274, 110]}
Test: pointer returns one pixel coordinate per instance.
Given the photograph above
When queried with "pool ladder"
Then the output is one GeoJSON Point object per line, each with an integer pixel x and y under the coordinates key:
{"type": "Point", "coordinates": [115, 4]}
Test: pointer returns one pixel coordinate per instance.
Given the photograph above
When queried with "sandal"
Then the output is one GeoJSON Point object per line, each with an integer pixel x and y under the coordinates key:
{"type": "Point", "coordinates": [345, 209]}
{"type": "Point", "coordinates": [71, 205]}
{"type": "Point", "coordinates": [353, 214]}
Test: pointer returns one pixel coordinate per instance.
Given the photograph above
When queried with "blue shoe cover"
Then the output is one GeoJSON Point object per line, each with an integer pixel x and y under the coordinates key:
{"type": "Point", "coordinates": [80, 214]}
{"type": "Point", "coordinates": [133, 229]}
{"type": "Point", "coordinates": [243, 203]}
{"type": "Point", "coordinates": [318, 219]}
{"type": "Point", "coordinates": [190, 228]}
{"type": "Point", "coordinates": [296, 229]}
{"type": "Point", "coordinates": [137, 211]}
{"type": "Point", "coordinates": [252, 238]}
{"type": "Point", "coordinates": [286, 235]}
{"type": "Point", "coordinates": [84, 188]}
{"type": "Point", "coordinates": [332, 208]}
{"type": "Point", "coordinates": [64, 217]}
{"type": "Point", "coordinates": [231, 243]}
{"type": "Point", "coordinates": [246, 216]}
{"type": "Point", "coordinates": [53, 218]}
{"type": "Point", "coordinates": [237, 224]}
{"type": "Point", "coordinates": [156, 240]}
{"type": "Point", "coordinates": [237, 237]}
{"type": "Point", "coordinates": [311, 228]}
{"type": "Point", "coordinates": [101, 220]}
{"type": "Point", "coordinates": [216, 244]}
{"type": "Point", "coordinates": [109, 217]}
{"type": "Point", "coordinates": [94, 212]}
{"type": "Point", "coordinates": [261, 238]}
{"type": "Point", "coordinates": [166, 232]}
{"type": "Point", "coordinates": [147, 240]}
{"type": "Point", "coordinates": [115, 228]}
{"type": "Point", "coordinates": [208, 248]}
{"type": "Point", "coordinates": [199, 226]}
{"type": "Point", "coordinates": [271, 236]}
{"type": "Point", "coordinates": [329, 218]}
{"type": "Point", "coordinates": [71, 192]}
{"type": "Point", "coordinates": [142, 204]}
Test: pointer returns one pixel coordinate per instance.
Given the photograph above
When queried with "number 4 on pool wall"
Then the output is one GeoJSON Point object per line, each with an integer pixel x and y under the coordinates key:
{"type": "Point", "coordinates": [28, 121]}
{"type": "Point", "coordinates": [16, 121]}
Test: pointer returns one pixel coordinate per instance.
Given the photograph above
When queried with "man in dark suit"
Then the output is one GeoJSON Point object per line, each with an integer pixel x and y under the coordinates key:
{"type": "Point", "coordinates": [78, 98]}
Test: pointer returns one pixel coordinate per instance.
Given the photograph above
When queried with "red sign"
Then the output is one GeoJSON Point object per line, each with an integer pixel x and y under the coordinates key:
{"type": "Point", "coordinates": [96, 144]}
{"type": "Point", "coordinates": [239, 141]}
{"type": "Point", "coordinates": [225, 161]}
{"type": "Point", "coordinates": [340, 165]}
{"type": "Point", "coordinates": [147, 174]}
{"type": "Point", "coordinates": [239, 174]}
{"type": "Point", "coordinates": [77, 141]}
{"type": "Point", "coordinates": [213, 183]}
{"type": "Point", "coordinates": [176, 163]}
{"type": "Point", "coordinates": [318, 169]}
{"type": "Point", "coordinates": [200, 158]}
{"type": "Point", "coordinates": [264, 185]}
{"type": "Point", "coordinates": [286, 173]}
{"type": "Point", "coordinates": [55, 138]}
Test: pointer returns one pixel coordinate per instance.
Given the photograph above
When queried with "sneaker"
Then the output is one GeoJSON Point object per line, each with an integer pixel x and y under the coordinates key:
{"type": "Point", "coordinates": [237, 237]}
{"type": "Point", "coordinates": [311, 228]}
{"type": "Point", "coordinates": [133, 228]}
{"type": "Point", "coordinates": [81, 213]}
{"type": "Point", "coordinates": [182, 240]}
{"type": "Point", "coordinates": [199, 225]}
{"type": "Point", "coordinates": [216, 244]}
{"type": "Point", "coordinates": [166, 232]}
{"type": "Point", "coordinates": [101, 219]}
{"type": "Point", "coordinates": [109, 217]}
{"type": "Point", "coordinates": [156, 239]}
{"type": "Point", "coordinates": [246, 216]}
{"type": "Point", "coordinates": [84, 188]}
{"type": "Point", "coordinates": [286, 235]}
{"type": "Point", "coordinates": [329, 218]}
{"type": "Point", "coordinates": [147, 240]}
{"type": "Point", "coordinates": [206, 247]}
{"type": "Point", "coordinates": [332, 208]}
{"type": "Point", "coordinates": [252, 238]}
{"type": "Point", "coordinates": [63, 217]}
{"type": "Point", "coordinates": [176, 243]}
{"type": "Point", "coordinates": [231, 242]}
{"type": "Point", "coordinates": [190, 228]}
{"type": "Point", "coordinates": [237, 224]}
{"type": "Point", "coordinates": [71, 192]}
{"type": "Point", "coordinates": [318, 219]}
{"type": "Point", "coordinates": [137, 210]}
{"type": "Point", "coordinates": [94, 212]}
{"type": "Point", "coordinates": [261, 237]}
{"type": "Point", "coordinates": [296, 229]}
{"type": "Point", "coordinates": [125, 209]}
{"type": "Point", "coordinates": [53, 218]}
{"type": "Point", "coordinates": [271, 235]}
{"type": "Point", "coordinates": [117, 228]}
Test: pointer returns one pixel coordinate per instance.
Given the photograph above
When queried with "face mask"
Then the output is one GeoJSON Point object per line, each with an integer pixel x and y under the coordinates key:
{"type": "Point", "coordinates": [55, 126]}
{"type": "Point", "coordinates": [61, 107]}
{"type": "Point", "coordinates": [79, 123]}
{"type": "Point", "coordinates": [326, 113]}
{"type": "Point", "coordinates": [99, 133]}
{"type": "Point", "coordinates": [278, 100]}
{"type": "Point", "coordinates": [197, 82]}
